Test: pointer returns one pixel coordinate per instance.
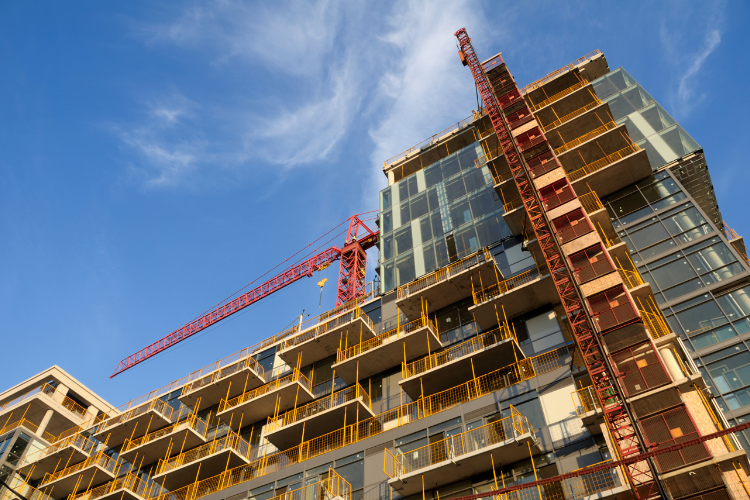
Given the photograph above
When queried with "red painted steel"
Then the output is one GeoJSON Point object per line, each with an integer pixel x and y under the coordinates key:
{"type": "Point", "coordinates": [352, 274]}
{"type": "Point", "coordinates": [619, 421]}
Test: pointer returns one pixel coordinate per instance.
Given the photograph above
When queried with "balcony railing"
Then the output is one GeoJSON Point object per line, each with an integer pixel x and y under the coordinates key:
{"type": "Point", "coordinates": [656, 324]}
{"type": "Point", "coordinates": [551, 76]}
{"type": "Point", "coordinates": [105, 462]}
{"type": "Point", "coordinates": [329, 325]}
{"type": "Point", "coordinates": [454, 447]}
{"type": "Point", "coordinates": [478, 343]}
{"type": "Point", "coordinates": [431, 140]}
{"type": "Point", "coordinates": [444, 273]}
{"type": "Point", "coordinates": [505, 286]}
{"type": "Point", "coordinates": [192, 421]}
{"type": "Point", "coordinates": [79, 441]}
{"type": "Point", "coordinates": [22, 422]}
{"type": "Point", "coordinates": [384, 338]}
{"type": "Point", "coordinates": [585, 137]}
{"type": "Point", "coordinates": [232, 441]}
{"type": "Point", "coordinates": [157, 405]}
{"type": "Point", "coordinates": [129, 481]}
{"type": "Point", "coordinates": [574, 114]}
{"type": "Point", "coordinates": [246, 362]}
{"type": "Point", "coordinates": [585, 400]}
{"type": "Point", "coordinates": [578, 85]}
{"type": "Point", "coordinates": [590, 202]}
{"type": "Point", "coordinates": [295, 376]}
{"type": "Point", "coordinates": [45, 389]}
{"type": "Point", "coordinates": [603, 162]}
{"type": "Point", "coordinates": [337, 398]}
{"type": "Point", "coordinates": [512, 205]}
{"type": "Point", "coordinates": [631, 279]}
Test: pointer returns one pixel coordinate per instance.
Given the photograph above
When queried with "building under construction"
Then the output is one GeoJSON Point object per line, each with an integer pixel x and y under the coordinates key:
{"type": "Point", "coordinates": [561, 315]}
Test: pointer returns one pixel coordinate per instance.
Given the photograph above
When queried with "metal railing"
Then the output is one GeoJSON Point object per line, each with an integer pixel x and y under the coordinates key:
{"type": "Point", "coordinates": [590, 202]}
{"type": "Point", "coordinates": [505, 286]}
{"type": "Point", "coordinates": [603, 162]}
{"type": "Point", "coordinates": [444, 273]}
{"type": "Point", "coordinates": [578, 85]}
{"type": "Point", "coordinates": [24, 489]}
{"type": "Point", "coordinates": [130, 482]}
{"type": "Point", "coordinates": [246, 361]}
{"type": "Point", "coordinates": [383, 422]}
{"type": "Point", "coordinates": [78, 441]}
{"type": "Point", "coordinates": [22, 422]}
{"type": "Point", "coordinates": [232, 441]}
{"type": "Point", "coordinates": [452, 448]}
{"type": "Point", "coordinates": [585, 400]}
{"type": "Point", "coordinates": [335, 399]}
{"type": "Point", "coordinates": [551, 76]}
{"type": "Point", "coordinates": [585, 137]}
{"type": "Point", "coordinates": [73, 406]}
{"type": "Point", "coordinates": [399, 332]}
{"type": "Point", "coordinates": [656, 324]}
{"type": "Point", "coordinates": [573, 114]}
{"type": "Point", "coordinates": [326, 327]}
{"type": "Point", "coordinates": [631, 279]}
{"type": "Point", "coordinates": [44, 388]}
{"type": "Point", "coordinates": [157, 405]}
{"type": "Point", "coordinates": [478, 343]}
{"type": "Point", "coordinates": [431, 140]}
{"type": "Point", "coordinates": [192, 421]}
{"type": "Point", "coordinates": [101, 460]}
{"type": "Point", "coordinates": [295, 376]}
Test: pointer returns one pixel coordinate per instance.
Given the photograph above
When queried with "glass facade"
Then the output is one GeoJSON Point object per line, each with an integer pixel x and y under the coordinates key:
{"type": "Point", "coordinates": [647, 122]}
{"type": "Point", "coordinates": [439, 214]}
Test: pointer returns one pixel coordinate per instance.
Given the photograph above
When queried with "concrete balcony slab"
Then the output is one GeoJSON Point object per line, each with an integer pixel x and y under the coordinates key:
{"type": "Point", "coordinates": [324, 339]}
{"type": "Point", "coordinates": [612, 176]}
{"type": "Point", "coordinates": [446, 285]}
{"type": "Point", "coordinates": [457, 467]}
{"type": "Point", "coordinates": [413, 340]}
{"type": "Point", "coordinates": [520, 294]}
{"type": "Point", "coordinates": [243, 375]}
{"type": "Point", "coordinates": [485, 353]}
{"type": "Point", "coordinates": [136, 422]}
{"type": "Point", "coordinates": [516, 217]}
{"type": "Point", "coordinates": [259, 404]}
{"type": "Point", "coordinates": [73, 479]}
{"type": "Point", "coordinates": [154, 445]}
{"type": "Point", "coordinates": [203, 465]}
{"type": "Point", "coordinates": [319, 423]}
{"type": "Point", "coordinates": [70, 451]}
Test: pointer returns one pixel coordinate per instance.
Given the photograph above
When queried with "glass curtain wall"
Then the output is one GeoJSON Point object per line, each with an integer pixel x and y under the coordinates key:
{"type": "Point", "coordinates": [647, 122]}
{"type": "Point", "coordinates": [437, 215]}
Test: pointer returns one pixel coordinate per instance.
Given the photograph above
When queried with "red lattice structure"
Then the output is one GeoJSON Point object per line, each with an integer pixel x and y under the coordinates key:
{"type": "Point", "coordinates": [502, 94]}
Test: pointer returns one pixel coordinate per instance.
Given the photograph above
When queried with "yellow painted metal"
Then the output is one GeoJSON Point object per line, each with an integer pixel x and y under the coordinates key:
{"type": "Point", "coordinates": [578, 85]}
{"type": "Point", "coordinates": [585, 137]}
{"type": "Point", "coordinates": [551, 76]}
{"type": "Point", "coordinates": [232, 441]}
{"type": "Point", "coordinates": [585, 400]}
{"type": "Point", "coordinates": [318, 406]}
{"type": "Point", "coordinates": [573, 114]}
{"type": "Point", "coordinates": [496, 290]}
{"type": "Point", "coordinates": [590, 202]}
{"type": "Point", "coordinates": [400, 331]}
{"type": "Point", "coordinates": [105, 462]}
{"type": "Point", "coordinates": [295, 376]}
{"type": "Point", "coordinates": [592, 167]}
{"type": "Point", "coordinates": [444, 273]}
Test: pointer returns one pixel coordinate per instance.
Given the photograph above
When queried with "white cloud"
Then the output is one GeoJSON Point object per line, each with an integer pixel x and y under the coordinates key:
{"type": "Point", "coordinates": [685, 89]}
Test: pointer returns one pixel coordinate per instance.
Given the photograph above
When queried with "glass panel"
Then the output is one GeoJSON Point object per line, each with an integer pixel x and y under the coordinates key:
{"type": "Point", "coordinates": [701, 317]}
{"type": "Point", "coordinates": [722, 273]}
{"type": "Point", "coordinates": [430, 262]}
{"type": "Point", "coordinates": [483, 203]}
{"type": "Point", "coordinates": [419, 206]}
{"type": "Point", "coordinates": [731, 373]}
{"type": "Point", "coordinates": [683, 289]}
{"type": "Point", "coordinates": [385, 199]}
{"type": "Point", "coordinates": [403, 190]}
{"type": "Point", "coordinates": [425, 228]}
{"type": "Point", "coordinates": [402, 239]}
{"type": "Point", "coordinates": [405, 269]}
{"type": "Point", "coordinates": [671, 274]}
{"type": "Point", "coordinates": [476, 179]}
{"type": "Point", "coordinates": [454, 189]}
{"type": "Point", "coordinates": [450, 167]}
{"type": "Point", "coordinates": [389, 281]}
{"type": "Point", "coordinates": [441, 252]}
{"type": "Point", "coordinates": [491, 229]}
{"type": "Point", "coordinates": [388, 247]}
{"type": "Point", "coordinates": [736, 304]}
{"type": "Point", "coordinates": [413, 189]}
{"type": "Point", "coordinates": [460, 213]}
{"type": "Point", "coordinates": [648, 235]}
{"type": "Point", "coordinates": [662, 247]}
{"type": "Point", "coordinates": [466, 241]}
{"type": "Point", "coordinates": [437, 224]}
{"type": "Point", "coordinates": [627, 204]}
{"type": "Point", "coordinates": [387, 218]}
{"type": "Point", "coordinates": [405, 213]}
{"type": "Point", "coordinates": [467, 157]}
{"type": "Point", "coordinates": [432, 198]}
{"type": "Point", "coordinates": [659, 190]}
{"type": "Point", "coordinates": [712, 257]}
{"type": "Point", "coordinates": [708, 339]}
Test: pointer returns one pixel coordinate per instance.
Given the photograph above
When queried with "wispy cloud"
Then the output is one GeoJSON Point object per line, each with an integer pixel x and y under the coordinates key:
{"type": "Point", "coordinates": [678, 41]}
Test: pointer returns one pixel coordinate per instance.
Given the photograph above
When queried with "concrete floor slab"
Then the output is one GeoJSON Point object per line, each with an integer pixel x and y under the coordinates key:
{"type": "Point", "coordinates": [69, 454]}
{"type": "Point", "coordinates": [184, 436]}
{"type": "Point", "coordinates": [388, 352]}
{"type": "Point", "coordinates": [616, 175]}
{"type": "Point", "coordinates": [234, 379]}
{"type": "Point", "coordinates": [535, 293]}
{"type": "Point", "coordinates": [324, 339]}
{"type": "Point", "coordinates": [132, 424]}
{"type": "Point", "coordinates": [202, 468]}
{"type": "Point", "coordinates": [445, 376]}
{"type": "Point", "coordinates": [91, 476]}
{"type": "Point", "coordinates": [260, 407]}
{"type": "Point", "coordinates": [320, 424]}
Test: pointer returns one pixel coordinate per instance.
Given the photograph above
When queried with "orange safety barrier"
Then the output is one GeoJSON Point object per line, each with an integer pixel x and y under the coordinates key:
{"type": "Point", "coordinates": [78, 441]}
{"type": "Point", "coordinates": [573, 114]}
{"type": "Point", "coordinates": [585, 400]}
{"type": "Point", "coordinates": [451, 448]}
{"type": "Point", "coordinates": [551, 76]}
{"type": "Point", "coordinates": [444, 273]}
{"type": "Point", "coordinates": [590, 202]}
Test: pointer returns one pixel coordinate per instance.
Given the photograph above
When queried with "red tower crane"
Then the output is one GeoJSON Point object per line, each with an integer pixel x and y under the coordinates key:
{"type": "Point", "coordinates": [351, 284]}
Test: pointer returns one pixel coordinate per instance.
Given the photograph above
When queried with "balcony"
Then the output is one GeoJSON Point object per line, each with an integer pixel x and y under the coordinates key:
{"type": "Point", "coordinates": [405, 342]}
{"type": "Point", "coordinates": [31, 426]}
{"type": "Point", "coordinates": [204, 461]}
{"type": "Point", "coordinates": [135, 422]}
{"type": "Point", "coordinates": [127, 487]}
{"type": "Point", "coordinates": [446, 285]}
{"type": "Point", "coordinates": [557, 96]}
{"type": "Point", "coordinates": [514, 214]}
{"type": "Point", "coordinates": [514, 296]}
{"type": "Point", "coordinates": [587, 407]}
{"type": "Point", "coordinates": [480, 355]}
{"type": "Point", "coordinates": [77, 477]}
{"type": "Point", "coordinates": [259, 403]}
{"type": "Point", "coordinates": [70, 451]}
{"type": "Point", "coordinates": [588, 136]}
{"type": "Point", "coordinates": [461, 456]}
{"type": "Point", "coordinates": [186, 434]}
{"type": "Point", "coordinates": [324, 339]}
{"type": "Point", "coordinates": [614, 171]}
{"type": "Point", "coordinates": [33, 405]}
{"type": "Point", "coordinates": [577, 104]}
{"type": "Point", "coordinates": [324, 415]}
{"type": "Point", "coordinates": [236, 373]}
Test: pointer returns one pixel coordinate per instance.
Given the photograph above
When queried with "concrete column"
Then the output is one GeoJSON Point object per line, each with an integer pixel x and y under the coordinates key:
{"type": "Point", "coordinates": [91, 412]}
{"type": "Point", "coordinates": [45, 422]}
{"type": "Point", "coordinates": [60, 392]}
{"type": "Point", "coordinates": [670, 362]}
{"type": "Point", "coordinates": [391, 178]}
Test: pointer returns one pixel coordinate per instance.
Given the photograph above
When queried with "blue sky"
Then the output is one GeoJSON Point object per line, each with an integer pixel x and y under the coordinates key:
{"type": "Point", "coordinates": [157, 156]}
